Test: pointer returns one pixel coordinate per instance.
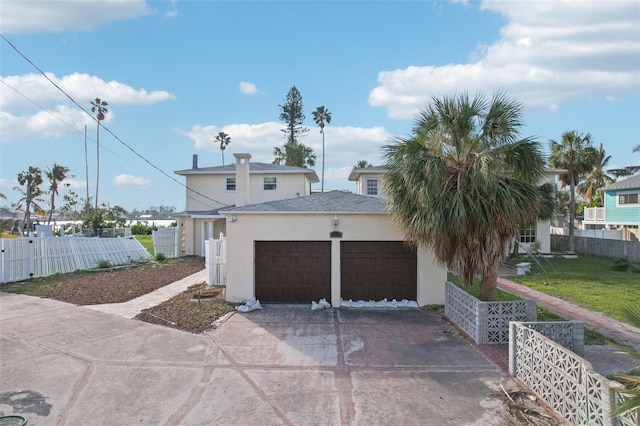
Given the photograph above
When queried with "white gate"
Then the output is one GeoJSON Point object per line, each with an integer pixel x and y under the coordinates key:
{"type": "Point", "coordinates": [165, 242]}
{"type": "Point", "coordinates": [216, 260]}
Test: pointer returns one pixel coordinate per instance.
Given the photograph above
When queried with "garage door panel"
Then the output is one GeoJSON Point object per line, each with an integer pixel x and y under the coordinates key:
{"type": "Point", "coordinates": [292, 271]}
{"type": "Point", "coordinates": [374, 270]}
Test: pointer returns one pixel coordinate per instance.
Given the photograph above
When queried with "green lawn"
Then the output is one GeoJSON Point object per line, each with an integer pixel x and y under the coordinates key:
{"type": "Point", "coordinates": [588, 281]}
{"type": "Point", "coordinates": [146, 242]}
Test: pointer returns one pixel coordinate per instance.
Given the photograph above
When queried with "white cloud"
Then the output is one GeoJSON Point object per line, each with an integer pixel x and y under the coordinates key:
{"type": "Point", "coordinates": [28, 17]}
{"type": "Point", "coordinates": [21, 113]}
{"type": "Point", "coordinates": [130, 180]}
{"type": "Point", "coordinates": [248, 88]}
{"type": "Point", "coordinates": [548, 54]}
{"type": "Point", "coordinates": [344, 146]}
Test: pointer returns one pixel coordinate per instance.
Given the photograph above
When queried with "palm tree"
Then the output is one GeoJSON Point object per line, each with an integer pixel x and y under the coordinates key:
{"type": "Point", "coordinates": [629, 170]}
{"type": "Point", "coordinates": [224, 140]}
{"type": "Point", "coordinates": [98, 106]}
{"type": "Point", "coordinates": [464, 183]}
{"type": "Point", "coordinates": [575, 154]}
{"type": "Point", "coordinates": [55, 174]}
{"type": "Point", "coordinates": [596, 178]}
{"type": "Point", "coordinates": [294, 154]}
{"type": "Point", "coordinates": [362, 164]}
{"type": "Point", "coordinates": [320, 116]}
{"type": "Point", "coordinates": [31, 179]}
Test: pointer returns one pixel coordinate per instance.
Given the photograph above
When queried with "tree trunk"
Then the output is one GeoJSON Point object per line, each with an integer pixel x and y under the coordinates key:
{"type": "Point", "coordinates": [322, 190]}
{"type": "Point", "coordinates": [572, 212]}
{"type": "Point", "coordinates": [489, 283]}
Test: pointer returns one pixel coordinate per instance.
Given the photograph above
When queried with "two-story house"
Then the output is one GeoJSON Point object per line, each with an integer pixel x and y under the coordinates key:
{"type": "Point", "coordinates": [210, 189]}
{"type": "Point", "coordinates": [621, 208]}
{"type": "Point", "coordinates": [286, 244]}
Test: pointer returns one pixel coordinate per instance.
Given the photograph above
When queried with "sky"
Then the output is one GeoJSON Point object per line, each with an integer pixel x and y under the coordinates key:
{"type": "Point", "coordinates": [176, 73]}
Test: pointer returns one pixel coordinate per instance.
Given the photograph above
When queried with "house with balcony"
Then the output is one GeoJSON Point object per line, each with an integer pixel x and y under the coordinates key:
{"type": "Point", "coordinates": [621, 208]}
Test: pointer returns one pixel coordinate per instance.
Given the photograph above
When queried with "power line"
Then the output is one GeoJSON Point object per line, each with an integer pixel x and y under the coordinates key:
{"type": "Point", "coordinates": [106, 128]}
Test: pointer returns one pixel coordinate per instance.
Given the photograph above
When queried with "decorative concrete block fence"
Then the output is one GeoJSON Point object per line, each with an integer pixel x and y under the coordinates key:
{"type": "Point", "coordinates": [564, 380]}
{"type": "Point", "coordinates": [569, 334]}
{"type": "Point", "coordinates": [485, 322]}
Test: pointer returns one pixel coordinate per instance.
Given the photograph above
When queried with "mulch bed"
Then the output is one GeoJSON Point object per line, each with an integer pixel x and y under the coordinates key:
{"type": "Point", "coordinates": [193, 310]}
{"type": "Point", "coordinates": [108, 286]}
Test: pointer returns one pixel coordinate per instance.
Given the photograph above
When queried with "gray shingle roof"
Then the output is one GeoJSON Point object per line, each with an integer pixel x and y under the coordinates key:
{"type": "Point", "coordinates": [325, 202]}
{"type": "Point", "coordinates": [355, 173]}
{"type": "Point", "coordinates": [628, 183]}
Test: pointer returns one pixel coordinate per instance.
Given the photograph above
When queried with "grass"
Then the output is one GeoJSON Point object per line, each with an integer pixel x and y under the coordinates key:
{"type": "Point", "coordinates": [146, 242]}
{"type": "Point", "coordinates": [588, 281]}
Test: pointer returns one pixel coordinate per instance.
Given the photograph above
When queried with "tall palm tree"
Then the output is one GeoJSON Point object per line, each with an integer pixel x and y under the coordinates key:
{"type": "Point", "coordinates": [224, 140]}
{"type": "Point", "coordinates": [55, 174]}
{"type": "Point", "coordinates": [99, 107]}
{"type": "Point", "coordinates": [320, 116]}
{"type": "Point", "coordinates": [31, 180]}
{"type": "Point", "coordinates": [596, 178]}
{"type": "Point", "coordinates": [464, 183]}
{"type": "Point", "coordinates": [575, 154]}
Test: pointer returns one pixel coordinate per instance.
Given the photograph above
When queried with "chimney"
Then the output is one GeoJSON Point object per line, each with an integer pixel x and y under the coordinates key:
{"type": "Point", "coordinates": [195, 161]}
{"type": "Point", "coordinates": [242, 179]}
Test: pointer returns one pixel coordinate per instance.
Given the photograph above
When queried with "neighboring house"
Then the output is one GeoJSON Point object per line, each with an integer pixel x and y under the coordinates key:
{"type": "Point", "coordinates": [214, 188]}
{"type": "Point", "coordinates": [369, 181]}
{"type": "Point", "coordinates": [621, 206]}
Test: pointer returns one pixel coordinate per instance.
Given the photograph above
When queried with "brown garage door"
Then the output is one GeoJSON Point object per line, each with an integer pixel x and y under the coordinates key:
{"type": "Point", "coordinates": [292, 271]}
{"type": "Point", "coordinates": [373, 270]}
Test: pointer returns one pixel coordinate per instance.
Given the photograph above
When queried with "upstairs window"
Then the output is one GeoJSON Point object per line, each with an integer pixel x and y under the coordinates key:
{"type": "Point", "coordinates": [372, 187]}
{"type": "Point", "coordinates": [270, 184]}
{"type": "Point", "coordinates": [528, 234]}
{"type": "Point", "coordinates": [630, 198]}
{"type": "Point", "coordinates": [231, 184]}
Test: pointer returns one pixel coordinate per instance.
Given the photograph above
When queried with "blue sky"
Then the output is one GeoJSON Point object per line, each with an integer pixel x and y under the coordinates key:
{"type": "Point", "coordinates": [175, 73]}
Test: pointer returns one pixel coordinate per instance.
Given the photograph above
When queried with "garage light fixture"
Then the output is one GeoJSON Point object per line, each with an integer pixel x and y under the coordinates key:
{"type": "Point", "coordinates": [336, 221]}
{"type": "Point", "coordinates": [233, 218]}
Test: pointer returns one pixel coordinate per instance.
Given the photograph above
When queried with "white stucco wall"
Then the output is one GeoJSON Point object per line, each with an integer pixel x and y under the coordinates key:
{"type": "Point", "coordinates": [316, 227]}
{"type": "Point", "coordinates": [289, 185]}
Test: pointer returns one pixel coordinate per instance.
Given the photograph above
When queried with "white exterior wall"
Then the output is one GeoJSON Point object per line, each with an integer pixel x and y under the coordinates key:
{"type": "Point", "coordinates": [288, 186]}
{"type": "Point", "coordinates": [215, 186]}
{"type": "Point", "coordinates": [316, 227]}
{"type": "Point", "coordinates": [361, 184]}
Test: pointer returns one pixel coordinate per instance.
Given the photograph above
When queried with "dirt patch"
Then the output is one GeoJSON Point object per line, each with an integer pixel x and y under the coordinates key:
{"type": "Point", "coordinates": [193, 310]}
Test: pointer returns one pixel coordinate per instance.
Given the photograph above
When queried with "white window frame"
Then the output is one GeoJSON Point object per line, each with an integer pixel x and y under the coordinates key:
{"type": "Point", "coordinates": [624, 205]}
{"type": "Point", "coordinates": [228, 183]}
{"type": "Point", "coordinates": [528, 234]}
{"type": "Point", "coordinates": [266, 186]}
{"type": "Point", "coordinates": [368, 189]}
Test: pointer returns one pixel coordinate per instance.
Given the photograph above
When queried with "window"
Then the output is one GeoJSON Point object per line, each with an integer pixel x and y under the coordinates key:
{"type": "Point", "coordinates": [231, 184]}
{"type": "Point", "coordinates": [628, 198]}
{"type": "Point", "coordinates": [528, 234]}
{"type": "Point", "coordinates": [372, 186]}
{"type": "Point", "coordinates": [269, 184]}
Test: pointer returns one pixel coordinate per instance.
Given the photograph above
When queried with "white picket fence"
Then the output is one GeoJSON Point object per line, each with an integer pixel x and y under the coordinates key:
{"type": "Point", "coordinates": [24, 258]}
{"type": "Point", "coordinates": [216, 261]}
{"type": "Point", "coordinates": [165, 242]}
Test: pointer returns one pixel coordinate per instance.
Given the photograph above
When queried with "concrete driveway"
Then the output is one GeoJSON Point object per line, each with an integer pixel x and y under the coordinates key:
{"type": "Point", "coordinates": [64, 364]}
